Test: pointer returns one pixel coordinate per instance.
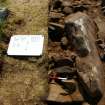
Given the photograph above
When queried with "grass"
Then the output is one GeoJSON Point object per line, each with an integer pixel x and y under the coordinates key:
{"type": "Point", "coordinates": [34, 15]}
{"type": "Point", "coordinates": [22, 82]}
{"type": "Point", "coordinates": [2, 32]}
{"type": "Point", "coordinates": [3, 2]}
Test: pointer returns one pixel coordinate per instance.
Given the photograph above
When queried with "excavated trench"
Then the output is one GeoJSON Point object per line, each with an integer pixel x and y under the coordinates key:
{"type": "Point", "coordinates": [73, 32]}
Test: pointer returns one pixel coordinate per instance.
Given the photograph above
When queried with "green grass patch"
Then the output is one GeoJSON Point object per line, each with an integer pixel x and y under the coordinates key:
{"type": "Point", "coordinates": [2, 33]}
{"type": "Point", "coordinates": [1, 30]}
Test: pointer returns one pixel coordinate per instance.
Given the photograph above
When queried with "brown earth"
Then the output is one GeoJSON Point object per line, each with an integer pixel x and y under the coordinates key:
{"type": "Point", "coordinates": [95, 13]}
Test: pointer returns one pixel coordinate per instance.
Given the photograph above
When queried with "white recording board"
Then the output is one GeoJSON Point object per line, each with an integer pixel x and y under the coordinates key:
{"type": "Point", "coordinates": [26, 45]}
